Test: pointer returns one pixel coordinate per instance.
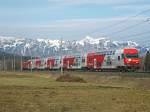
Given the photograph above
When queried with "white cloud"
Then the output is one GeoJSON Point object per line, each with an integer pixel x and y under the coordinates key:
{"type": "Point", "coordinates": [78, 24]}
{"type": "Point", "coordinates": [77, 28]}
{"type": "Point", "coordinates": [100, 2]}
{"type": "Point", "coordinates": [89, 23]}
{"type": "Point", "coordinates": [132, 7]}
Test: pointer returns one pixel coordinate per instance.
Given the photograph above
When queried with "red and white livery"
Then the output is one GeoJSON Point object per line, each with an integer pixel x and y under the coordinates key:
{"type": "Point", "coordinates": [123, 59]}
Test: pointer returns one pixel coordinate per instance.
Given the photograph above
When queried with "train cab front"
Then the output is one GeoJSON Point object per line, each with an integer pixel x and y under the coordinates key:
{"type": "Point", "coordinates": [131, 58]}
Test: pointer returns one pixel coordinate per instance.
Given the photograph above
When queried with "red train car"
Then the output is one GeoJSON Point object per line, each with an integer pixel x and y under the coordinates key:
{"type": "Point", "coordinates": [122, 59]}
{"type": "Point", "coordinates": [131, 58]}
{"type": "Point", "coordinates": [27, 65]}
{"type": "Point", "coordinates": [68, 62]}
{"type": "Point", "coordinates": [37, 63]}
{"type": "Point", "coordinates": [94, 61]}
{"type": "Point", "coordinates": [50, 63]}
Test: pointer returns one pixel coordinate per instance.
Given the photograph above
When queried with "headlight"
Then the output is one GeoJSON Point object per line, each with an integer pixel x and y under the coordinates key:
{"type": "Point", "coordinates": [137, 62]}
{"type": "Point", "coordinates": [129, 59]}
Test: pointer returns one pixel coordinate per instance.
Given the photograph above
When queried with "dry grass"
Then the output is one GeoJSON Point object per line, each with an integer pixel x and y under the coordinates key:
{"type": "Point", "coordinates": [39, 92]}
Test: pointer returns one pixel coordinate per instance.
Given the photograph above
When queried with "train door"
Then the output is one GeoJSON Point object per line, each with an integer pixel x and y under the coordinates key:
{"type": "Point", "coordinates": [77, 62]}
{"type": "Point", "coordinates": [109, 62]}
{"type": "Point", "coordinates": [68, 64]}
{"type": "Point", "coordinates": [119, 56]}
{"type": "Point", "coordinates": [37, 63]}
{"type": "Point", "coordinates": [30, 64]}
{"type": "Point", "coordinates": [57, 63]}
{"type": "Point", "coordinates": [50, 63]}
{"type": "Point", "coordinates": [43, 64]}
{"type": "Point", "coordinates": [84, 62]}
{"type": "Point", "coordinates": [95, 63]}
{"type": "Point", "coordinates": [33, 64]}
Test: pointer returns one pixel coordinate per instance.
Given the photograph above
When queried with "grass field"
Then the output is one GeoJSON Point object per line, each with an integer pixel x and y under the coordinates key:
{"type": "Point", "coordinates": [103, 92]}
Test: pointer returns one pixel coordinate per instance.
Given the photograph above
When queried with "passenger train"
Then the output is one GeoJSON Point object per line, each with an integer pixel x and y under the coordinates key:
{"type": "Point", "coordinates": [126, 59]}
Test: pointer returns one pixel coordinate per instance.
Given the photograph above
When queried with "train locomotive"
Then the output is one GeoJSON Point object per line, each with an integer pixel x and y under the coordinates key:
{"type": "Point", "coordinates": [126, 59]}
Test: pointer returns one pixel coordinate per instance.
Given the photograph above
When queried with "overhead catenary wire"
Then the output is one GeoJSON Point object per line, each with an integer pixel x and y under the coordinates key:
{"type": "Point", "coordinates": [128, 18]}
{"type": "Point", "coordinates": [120, 22]}
{"type": "Point", "coordinates": [127, 28]}
{"type": "Point", "coordinates": [137, 34]}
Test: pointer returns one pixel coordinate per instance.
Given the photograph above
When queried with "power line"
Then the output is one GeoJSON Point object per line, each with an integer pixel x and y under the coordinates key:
{"type": "Point", "coordinates": [127, 28]}
{"type": "Point", "coordinates": [128, 18]}
{"type": "Point", "coordinates": [138, 34]}
{"type": "Point", "coordinates": [122, 21]}
{"type": "Point", "coordinates": [130, 27]}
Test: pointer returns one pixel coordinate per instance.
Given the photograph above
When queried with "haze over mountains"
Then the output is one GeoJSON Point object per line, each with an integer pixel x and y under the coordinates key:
{"type": "Point", "coordinates": [47, 47]}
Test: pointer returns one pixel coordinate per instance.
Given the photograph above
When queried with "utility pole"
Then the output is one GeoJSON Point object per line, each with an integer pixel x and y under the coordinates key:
{"type": "Point", "coordinates": [14, 63]}
{"type": "Point", "coordinates": [61, 56]}
{"type": "Point", "coordinates": [31, 63]}
{"type": "Point", "coordinates": [4, 61]}
{"type": "Point", "coordinates": [21, 63]}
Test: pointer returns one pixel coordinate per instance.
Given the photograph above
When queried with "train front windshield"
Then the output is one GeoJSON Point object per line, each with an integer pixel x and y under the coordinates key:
{"type": "Point", "coordinates": [132, 56]}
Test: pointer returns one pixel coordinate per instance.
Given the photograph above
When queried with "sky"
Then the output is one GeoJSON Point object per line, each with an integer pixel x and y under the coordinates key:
{"type": "Point", "coordinates": [74, 19]}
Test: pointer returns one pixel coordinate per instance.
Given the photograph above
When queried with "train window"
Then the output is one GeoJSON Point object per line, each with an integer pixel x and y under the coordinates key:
{"type": "Point", "coordinates": [76, 60]}
{"type": "Point", "coordinates": [132, 55]}
{"type": "Point", "coordinates": [122, 55]}
{"type": "Point", "coordinates": [83, 60]}
{"type": "Point", "coordinates": [118, 58]}
{"type": "Point", "coordinates": [108, 61]}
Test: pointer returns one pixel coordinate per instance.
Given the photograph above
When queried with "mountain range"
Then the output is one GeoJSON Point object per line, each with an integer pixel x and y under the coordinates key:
{"type": "Point", "coordinates": [44, 47]}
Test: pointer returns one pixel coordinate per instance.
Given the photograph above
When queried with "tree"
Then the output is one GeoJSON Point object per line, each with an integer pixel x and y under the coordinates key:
{"type": "Point", "coordinates": [8, 64]}
{"type": "Point", "coordinates": [147, 61]}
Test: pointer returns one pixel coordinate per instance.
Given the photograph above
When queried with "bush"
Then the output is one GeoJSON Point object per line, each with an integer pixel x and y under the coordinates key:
{"type": "Point", "coordinates": [147, 61]}
{"type": "Point", "coordinates": [69, 78]}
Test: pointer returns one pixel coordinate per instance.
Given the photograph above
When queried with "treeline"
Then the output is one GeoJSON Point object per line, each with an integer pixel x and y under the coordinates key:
{"type": "Point", "coordinates": [147, 61]}
{"type": "Point", "coordinates": [9, 62]}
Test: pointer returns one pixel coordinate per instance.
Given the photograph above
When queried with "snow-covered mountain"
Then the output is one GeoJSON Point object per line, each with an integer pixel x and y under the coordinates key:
{"type": "Point", "coordinates": [47, 47]}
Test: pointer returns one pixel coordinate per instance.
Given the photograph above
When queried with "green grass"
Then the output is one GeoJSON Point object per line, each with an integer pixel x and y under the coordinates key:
{"type": "Point", "coordinates": [103, 92]}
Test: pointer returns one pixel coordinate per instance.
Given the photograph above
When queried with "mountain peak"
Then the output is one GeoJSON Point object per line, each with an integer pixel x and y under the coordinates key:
{"type": "Point", "coordinates": [47, 47]}
{"type": "Point", "coordinates": [91, 40]}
